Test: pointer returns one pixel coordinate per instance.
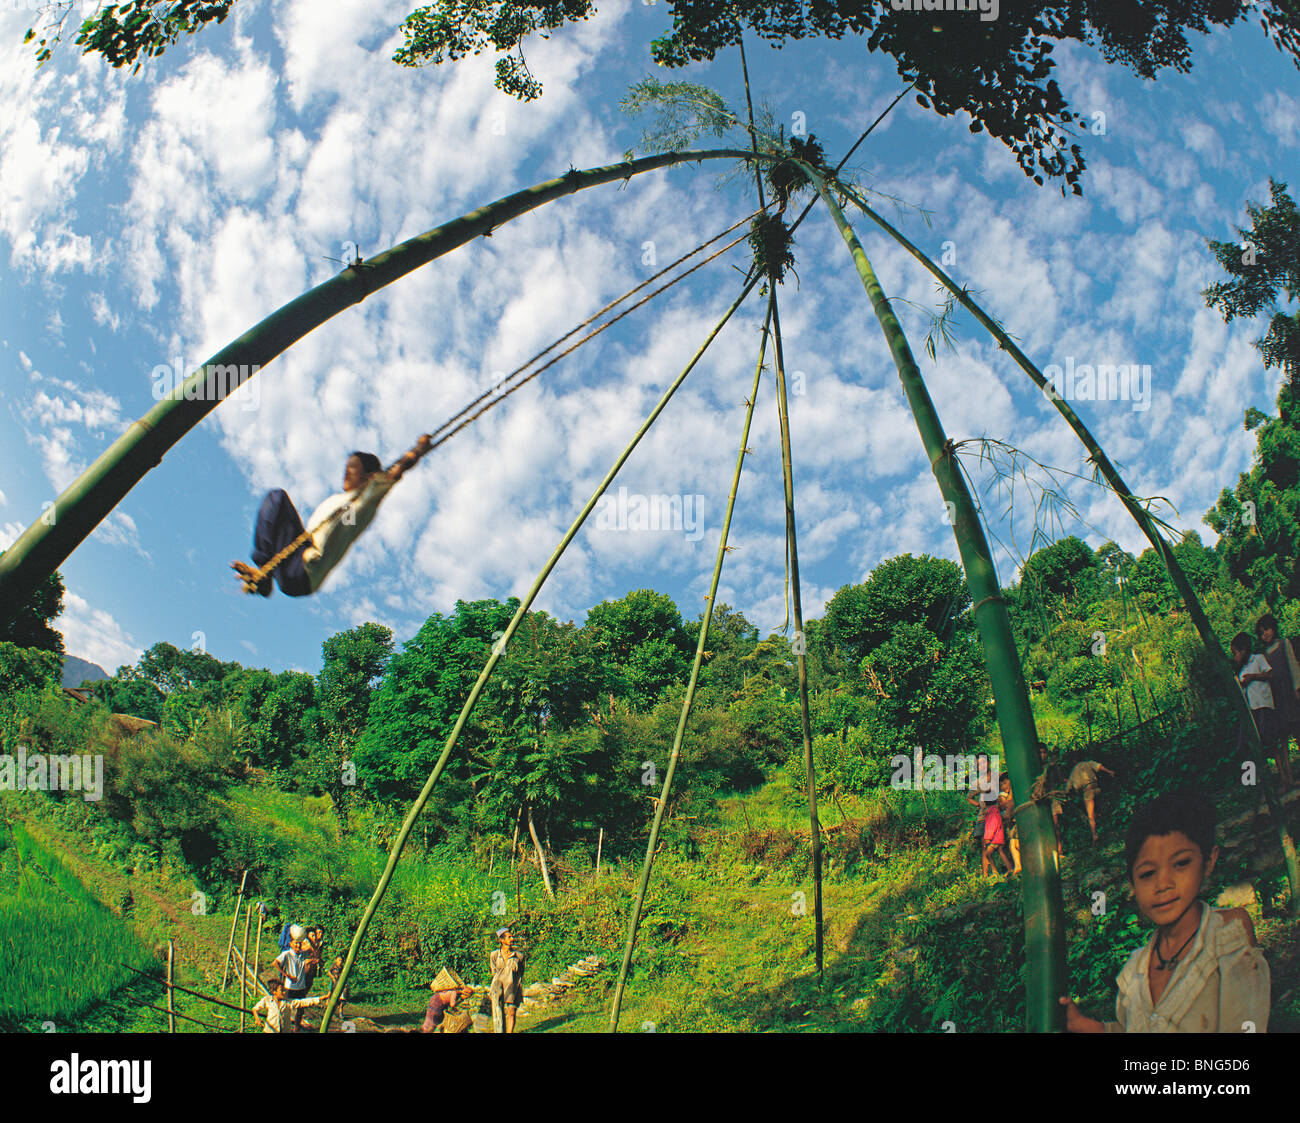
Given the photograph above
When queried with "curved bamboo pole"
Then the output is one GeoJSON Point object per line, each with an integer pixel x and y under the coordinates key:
{"type": "Point", "coordinates": [1044, 912]}
{"type": "Point", "coordinates": [498, 650]}
{"type": "Point", "coordinates": [1108, 471]}
{"type": "Point", "coordinates": [638, 905]}
{"type": "Point", "coordinates": [48, 542]}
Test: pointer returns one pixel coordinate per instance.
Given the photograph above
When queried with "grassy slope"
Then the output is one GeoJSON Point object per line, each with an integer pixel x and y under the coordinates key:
{"type": "Point", "coordinates": [891, 954]}
{"type": "Point", "coordinates": [913, 938]}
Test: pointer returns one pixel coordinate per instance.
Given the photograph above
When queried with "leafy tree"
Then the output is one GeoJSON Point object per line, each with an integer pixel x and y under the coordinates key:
{"type": "Point", "coordinates": [134, 697]}
{"type": "Point", "coordinates": [170, 669]}
{"type": "Point", "coordinates": [31, 627]}
{"type": "Point", "coordinates": [932, 693]}
{"type": "Point", "coordinates": [276, 716]}
{"type": "Point", "coordinates": [1258, 521]}
{"type": "Point", "coordinates": [122, 33]}
{"type": "Point", "coordinates": [904, 590]}
{"type": "Point", "coordinates": [731, 639]}
{"type": "Point", "coordinates": [998, 71]}
{"type": "Point", "coordinates": [643, 643]}
{"type": "Point", "coordinates": [26, 669]}
{"type": "Point", "coordinates": [1265, 262]}
{"type": "Point", "coordinates": [353, 662]}
{"type": "Point", "coordinates": [423, 689]}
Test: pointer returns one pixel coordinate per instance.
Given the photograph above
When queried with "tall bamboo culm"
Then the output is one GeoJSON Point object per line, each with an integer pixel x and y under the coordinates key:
{"type": "Point", "coordinates": [801, 641]}
{"type": "Point", "coordinates": [638, 903]}
{"type": "Point", "coordinates": [1108, 472]}
{"type": "Point", "coordinates": [1045, 977]}
{"type": "Point", "coordinates": [498, 650]}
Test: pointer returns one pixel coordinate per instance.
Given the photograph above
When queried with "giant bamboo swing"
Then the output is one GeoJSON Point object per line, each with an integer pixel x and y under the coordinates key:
{"type": "Point", "coordinates": [53, 537]}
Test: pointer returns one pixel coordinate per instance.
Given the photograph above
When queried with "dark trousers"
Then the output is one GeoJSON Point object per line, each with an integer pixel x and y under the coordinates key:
{"type": "Point", "coordinates": [278, 524]}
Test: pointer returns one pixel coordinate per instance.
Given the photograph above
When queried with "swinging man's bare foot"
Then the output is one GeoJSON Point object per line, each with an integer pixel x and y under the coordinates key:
{"type": "Point", "coordinates": [248, 574]}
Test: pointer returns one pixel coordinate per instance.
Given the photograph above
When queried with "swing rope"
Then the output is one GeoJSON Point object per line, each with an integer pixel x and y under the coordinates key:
{"type": "Point", "coordinates": [445, 431]}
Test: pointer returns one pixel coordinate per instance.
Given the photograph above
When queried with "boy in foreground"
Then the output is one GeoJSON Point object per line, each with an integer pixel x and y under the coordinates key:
{"type": "Point", "coordinates": [1202, 971]}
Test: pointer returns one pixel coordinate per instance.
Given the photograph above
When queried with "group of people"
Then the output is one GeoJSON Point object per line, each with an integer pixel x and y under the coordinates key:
{"type": "Point", "coordinates": [995, 821]}
{"type": "Point", "coordinates": [298, 964]}
{"type": "Point", "coordinates": [505, 991]}
{"type": "Point", "coordinates": [1271, 681]}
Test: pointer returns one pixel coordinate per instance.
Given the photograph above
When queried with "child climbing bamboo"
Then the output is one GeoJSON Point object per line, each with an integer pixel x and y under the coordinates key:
{"type": "Point", "coordinates": [333, 526]}
{"type": "Point", "coordinates": [1202, 971]}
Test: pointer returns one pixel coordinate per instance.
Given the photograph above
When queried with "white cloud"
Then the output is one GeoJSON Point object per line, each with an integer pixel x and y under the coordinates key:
{"type": "Point", "coordinates": [91, 633]}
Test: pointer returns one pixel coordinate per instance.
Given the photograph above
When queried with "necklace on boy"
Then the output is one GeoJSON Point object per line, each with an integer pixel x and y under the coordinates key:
{"type": "Point", "coordinates": [1164, 963]}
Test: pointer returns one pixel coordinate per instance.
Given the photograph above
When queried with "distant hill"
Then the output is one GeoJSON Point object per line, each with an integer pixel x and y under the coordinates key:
{"type": "Point", "coordinates": [76, 671]}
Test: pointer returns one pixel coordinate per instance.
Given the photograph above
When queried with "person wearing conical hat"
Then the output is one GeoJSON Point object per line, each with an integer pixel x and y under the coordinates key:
{"type": "Point", "coordinates": [448, 989]}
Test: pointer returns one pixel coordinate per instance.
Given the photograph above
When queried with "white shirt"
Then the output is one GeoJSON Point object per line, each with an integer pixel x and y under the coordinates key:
{"type": "Point", "coordinates": [331, 536]}
{"type": "Point", "coordinates": [293, 967]}
{"type": "Point", "coordinates": [1221, 985]}
{"type": "Point", "coordinates": [1259, 695]}
{"type": "Point", "coordinates": [275, 1011]}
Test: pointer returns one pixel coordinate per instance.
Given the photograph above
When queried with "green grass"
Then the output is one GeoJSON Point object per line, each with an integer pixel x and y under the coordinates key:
{"type": "Point", "coordinates": [61, 951]}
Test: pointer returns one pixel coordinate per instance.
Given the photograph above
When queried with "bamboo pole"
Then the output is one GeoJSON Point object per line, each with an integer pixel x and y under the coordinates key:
{"type": "Point", "coordinates": [172, 1015]}
{"type": "Point", "coordinates": [638, 904]}
{"type": "Point", "coordinates": [257, 948]}
{"type": "Point", "coordinates": [801, 660]}
{"type": "Point", "coordinates": [171, 1006]}
{"type": "Point", "coordinates": [1044, 911]}
{"type": "Point", "coordinates": [1218, 659]}
{"type": "Point", "coordinates": [243, 966]}
{"type": "Point", "coordinates": [48, 542]}
{"type": "Point", "coordinates": [791, 545]}
{"type": "Point", "coordinates": [194, 993]}
{"type": "Point", "coordinates": [225, 970]}
{"type": "Point", "coordinates": [498, 650]}
{"type": "Point", "coordinates": [541, 856]}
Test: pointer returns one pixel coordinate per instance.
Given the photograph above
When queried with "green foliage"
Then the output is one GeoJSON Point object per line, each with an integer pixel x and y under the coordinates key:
{"type": "Point", "coordinates": [30, 626]}
{"type": "Point", "coordinates": [452, 29]}
{"type": "Point", "coordinates": [642, 644]}
{"type": "Point", "coordinates": [901, 590]}
{"type": "Point", "coordinates": [27, 669]}
{"type": "Point", "coordinates": [123, 33]}
{"type": "Point", "coordinates": [1264, 262]}
{"type": "Point", "coordinates": [352, 662]}
{"type": "Point", "coordinates": [63, 950]}
{"type": "Point", "coordinates": [683, 112]}
{"type": "Point", "coordinates": [1258, 521]}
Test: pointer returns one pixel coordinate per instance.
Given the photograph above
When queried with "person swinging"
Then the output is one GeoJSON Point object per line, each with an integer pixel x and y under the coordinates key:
{"type": "Point", "coordinates": [330, 531]}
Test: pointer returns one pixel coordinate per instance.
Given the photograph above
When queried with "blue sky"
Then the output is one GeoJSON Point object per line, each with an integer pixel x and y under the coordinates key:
{"type": "Point", "coordinates": [159, 216]}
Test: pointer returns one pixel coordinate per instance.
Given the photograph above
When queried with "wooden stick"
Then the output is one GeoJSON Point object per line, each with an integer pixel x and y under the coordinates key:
{"type": "Point", "coordinates": [225, 971]}
{"type": "Point", "coordinates": [257, 950]}
{"type": "Point", "coordinates": [184, 1017]}
{"type": "Point", "coordinates": [599, 841]}
{"type": "Point", "coordinates": [171, 1002]}
{"type": "Point", "coordinates": [186, 990]}
{"type": "Point", "coordinates": [541, 858]}
{"type": "Point", "coordinates": [243, 966]}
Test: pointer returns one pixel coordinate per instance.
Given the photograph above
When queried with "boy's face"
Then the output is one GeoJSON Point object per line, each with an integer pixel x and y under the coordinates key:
{"type": "Point", "coordinates": [1266, 635]}
{"type": "Point", "coordinates": [354, 475]}
{"type": "Point", "coordinates": [1167, 876]}
{"type": "Point", "coordinates": [1239, 656]}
